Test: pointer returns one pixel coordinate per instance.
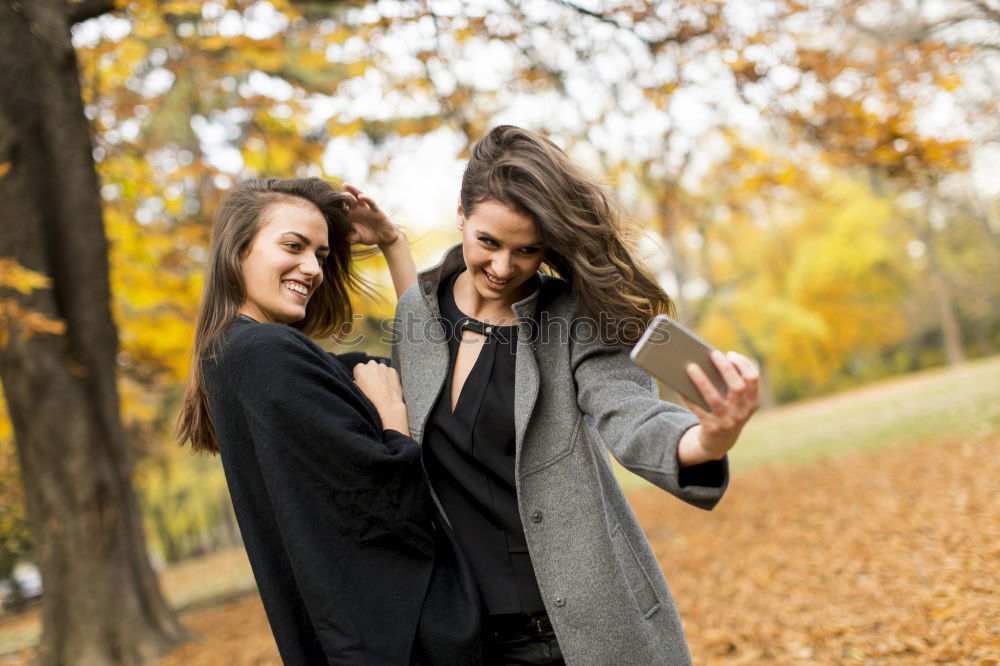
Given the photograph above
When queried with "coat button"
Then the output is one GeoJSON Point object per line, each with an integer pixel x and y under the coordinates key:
{"type": "Point", "coordinates": [559, 601]}
{"type": "Point", "coordinates": [536, 517]}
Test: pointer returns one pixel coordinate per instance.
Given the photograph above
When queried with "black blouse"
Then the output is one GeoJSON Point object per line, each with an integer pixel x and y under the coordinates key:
{"type": "Point", "coordinates": [469, 458]}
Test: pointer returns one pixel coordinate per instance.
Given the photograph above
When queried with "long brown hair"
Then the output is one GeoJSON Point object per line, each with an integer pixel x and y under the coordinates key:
{"type": "Point", "coordinates": [588, 241]}
{"type": "Point", "coordinates": [241, 214]}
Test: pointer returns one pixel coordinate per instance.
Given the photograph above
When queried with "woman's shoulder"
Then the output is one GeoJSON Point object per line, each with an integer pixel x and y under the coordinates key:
{"type": "Point", "coordinates": [246, 333]}
{"type": "Point", "coordinates": [411, 300]}
{"type": "Point", "coordinates": [556, 296]}
{"type": "Point", "coordinates": [249, 343]}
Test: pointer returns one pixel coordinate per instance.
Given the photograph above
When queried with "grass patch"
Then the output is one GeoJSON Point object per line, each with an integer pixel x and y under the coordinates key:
{"type": "Point", "coordinates": [936, 404]}
{"type": "Point", "coordinates": [962, 401]}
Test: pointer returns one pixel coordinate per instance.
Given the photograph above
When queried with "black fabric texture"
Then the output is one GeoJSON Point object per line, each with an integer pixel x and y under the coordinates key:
{"type": "Point", "coordinates": [710, 473]}
{"type": "Point", "coordinates": [335, 513]}
{"type": "Point", "coordinates": [351, 359]}
{"type": "Point", "coordinates": [469, 457]}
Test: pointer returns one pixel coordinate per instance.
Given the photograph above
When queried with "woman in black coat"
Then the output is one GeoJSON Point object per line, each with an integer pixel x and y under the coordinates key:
{"type": "Point", "coordinates": [327, 486]}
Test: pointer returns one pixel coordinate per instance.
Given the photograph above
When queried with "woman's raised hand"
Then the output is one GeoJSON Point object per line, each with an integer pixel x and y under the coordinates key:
{"type": "Point", "coordinates": [719, 428]}
{"type": "Point", "coordinates": [380, 384]}
{"type": "Point", "coordinates": [371, 225]}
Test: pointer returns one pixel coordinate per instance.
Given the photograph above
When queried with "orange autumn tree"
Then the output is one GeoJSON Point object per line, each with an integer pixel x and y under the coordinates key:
{"type": "Point", "coordinates": [878, 81]}
{"type": "Point", "coordinates": [833, 88]}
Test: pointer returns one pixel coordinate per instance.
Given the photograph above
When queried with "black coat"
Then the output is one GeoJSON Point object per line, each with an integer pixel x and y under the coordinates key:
{"type": "Point", "coordinates": [335, 513]}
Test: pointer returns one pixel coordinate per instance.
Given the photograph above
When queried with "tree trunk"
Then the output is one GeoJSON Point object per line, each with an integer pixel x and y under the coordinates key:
{"type": "Point", "coordinates": [951, 332]}
{"type": "Point", "coordinates": [101, 602]}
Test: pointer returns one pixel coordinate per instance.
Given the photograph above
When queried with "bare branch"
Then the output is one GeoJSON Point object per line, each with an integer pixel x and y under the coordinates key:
{"type": "Point", "coordinates": [951, 21]}
{"type": "Point", "coordinates": [993, 13]}
{"type": "Point", "coordinates": [679, 37]}
{"type": "Point", "coordinates": [589, 12]}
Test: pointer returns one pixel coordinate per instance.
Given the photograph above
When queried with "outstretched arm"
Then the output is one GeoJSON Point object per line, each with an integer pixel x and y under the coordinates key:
{"type": "Point", "coordinates": [639, 429]}
{"type": "Point", "coordinates": [372, 227]}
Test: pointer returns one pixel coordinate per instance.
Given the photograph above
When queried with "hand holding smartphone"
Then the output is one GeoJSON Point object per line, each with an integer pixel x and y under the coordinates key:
{"type": "Point", "coordinates": [666, 349]}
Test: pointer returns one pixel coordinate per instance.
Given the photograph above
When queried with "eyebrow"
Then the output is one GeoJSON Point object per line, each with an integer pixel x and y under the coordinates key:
{"type": "Point", "coordinates": [304, 239]}
{"type": "Point", "coordinates": [483, 233]}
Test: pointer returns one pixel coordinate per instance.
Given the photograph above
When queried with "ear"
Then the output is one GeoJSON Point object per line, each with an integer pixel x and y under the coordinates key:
{"type": "Point", "coordinates": [460, 214]}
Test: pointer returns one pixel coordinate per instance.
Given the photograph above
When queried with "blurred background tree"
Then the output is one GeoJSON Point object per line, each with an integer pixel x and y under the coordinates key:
{"type": "Point", "coordinates": [808, 176]}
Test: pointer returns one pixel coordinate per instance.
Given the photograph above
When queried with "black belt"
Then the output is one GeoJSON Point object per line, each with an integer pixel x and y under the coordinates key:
{"type": "Point", "coordinates": [535, 624]}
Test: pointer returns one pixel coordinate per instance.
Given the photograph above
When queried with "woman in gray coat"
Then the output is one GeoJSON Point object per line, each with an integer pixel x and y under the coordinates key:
{"type": "Point", "coordinates": [517, 385]}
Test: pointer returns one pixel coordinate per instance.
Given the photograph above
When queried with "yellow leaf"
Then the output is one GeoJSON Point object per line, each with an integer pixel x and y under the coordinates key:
{"type": "Point", "coordinates": [346, 129]}
{"type": "Point", "coordinates": [19, 278]}
{"type": "Point", "coordinates": [266, 61]}
{"type": "Point", "coordinates": [215, 43]}
{"type": "Point", "coordinates": [356, 68]}
{"type": "Point", "coordinates": [950, 82]}
{"type": "Point", "coordinates": [314, 60]}
{"type": "Point", "coordinates": [181, 8]}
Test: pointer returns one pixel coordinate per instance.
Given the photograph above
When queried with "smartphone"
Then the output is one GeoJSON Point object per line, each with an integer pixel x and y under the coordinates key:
{"type": "Point", "coordinates": [666, 349]}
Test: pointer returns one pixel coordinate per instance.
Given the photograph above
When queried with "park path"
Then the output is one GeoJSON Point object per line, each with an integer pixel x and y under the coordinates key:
{"type": "Point", "coordinates": [885, 558]}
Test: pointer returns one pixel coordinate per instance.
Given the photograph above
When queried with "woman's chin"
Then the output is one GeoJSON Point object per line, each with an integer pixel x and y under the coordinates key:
{"type": "Point", "coordinates": [290, 317]}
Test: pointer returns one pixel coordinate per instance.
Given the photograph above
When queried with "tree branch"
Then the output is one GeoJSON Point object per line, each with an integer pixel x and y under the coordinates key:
{"type": "Point", "coordinates": [993, 13]}
{"type": "Point", "coordinates": [87, 9]}
{"type": "Point", "coordinates": [589, 12]}
{"type": "Point", "coordinates": [681, 36]}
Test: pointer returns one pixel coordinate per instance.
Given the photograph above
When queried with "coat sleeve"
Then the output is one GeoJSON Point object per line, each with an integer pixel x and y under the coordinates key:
{"type": "Point", "coordinates": [640, 430]}
{"type": "Point", "coordinates": [348, 498]}
{"type": "Point", "coordinates": [351, 359]}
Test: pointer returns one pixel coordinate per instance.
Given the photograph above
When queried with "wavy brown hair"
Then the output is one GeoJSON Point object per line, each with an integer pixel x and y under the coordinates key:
{"type": "Point", "coordinates": [588, 240]}
{"type": "Point", "coordinates": [240, 216]}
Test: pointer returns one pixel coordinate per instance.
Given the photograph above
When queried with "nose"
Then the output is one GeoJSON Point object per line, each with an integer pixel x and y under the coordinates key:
{"type": "Point", "coordinates": [502, 265]}
{"type": "Point", "coordinates": [310, 266]}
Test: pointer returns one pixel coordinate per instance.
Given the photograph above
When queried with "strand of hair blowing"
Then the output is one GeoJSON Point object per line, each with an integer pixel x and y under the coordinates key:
{"type": "Point", "coordinates": [588, 241]}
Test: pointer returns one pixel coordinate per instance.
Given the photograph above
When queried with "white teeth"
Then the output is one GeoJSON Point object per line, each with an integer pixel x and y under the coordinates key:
{"type": "Point", "coordinates": [296, 287]}
{"type": "Point", "coordinates": [495, 280]}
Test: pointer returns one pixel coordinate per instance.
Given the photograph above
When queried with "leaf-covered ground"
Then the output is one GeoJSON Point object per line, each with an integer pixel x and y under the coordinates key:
{"type": "Point", "coordinates": [885, 558]}
{"type": "Point", "coordinates": [891, 558]}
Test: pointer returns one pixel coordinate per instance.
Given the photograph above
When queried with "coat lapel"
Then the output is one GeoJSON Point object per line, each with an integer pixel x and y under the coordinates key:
{"type": "Point", "coordinates": [433, 372]}
{"type": "Point", "coordinates": [525, 387]}
{"type": "Point", "coordinates": [433, 362]}
{"type": "Point", "coordinates": [526, 378]}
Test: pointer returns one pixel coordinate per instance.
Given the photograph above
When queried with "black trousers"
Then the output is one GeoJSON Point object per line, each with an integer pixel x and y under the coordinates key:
{"type": "Point", "coordinates": [521, 639]}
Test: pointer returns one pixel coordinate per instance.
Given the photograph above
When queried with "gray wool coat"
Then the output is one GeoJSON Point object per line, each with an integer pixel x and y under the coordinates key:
{"type": "Point", "coordinates": [575, 398]}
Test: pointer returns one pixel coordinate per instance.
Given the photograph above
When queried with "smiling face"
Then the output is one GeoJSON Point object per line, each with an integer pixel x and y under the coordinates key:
{"type": "Point", "coordinates": [284, 265]}
{"type": "Point", "coordinates": [502, 249]}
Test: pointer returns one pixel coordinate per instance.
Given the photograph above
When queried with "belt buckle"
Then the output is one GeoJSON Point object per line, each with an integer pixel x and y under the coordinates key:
{"type": "Point", "coordinates": [541, 624]}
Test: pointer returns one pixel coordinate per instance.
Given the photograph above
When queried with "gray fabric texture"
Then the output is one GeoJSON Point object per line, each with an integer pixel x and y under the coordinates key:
{"type": "Point", "coordinates": [575, 399]}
